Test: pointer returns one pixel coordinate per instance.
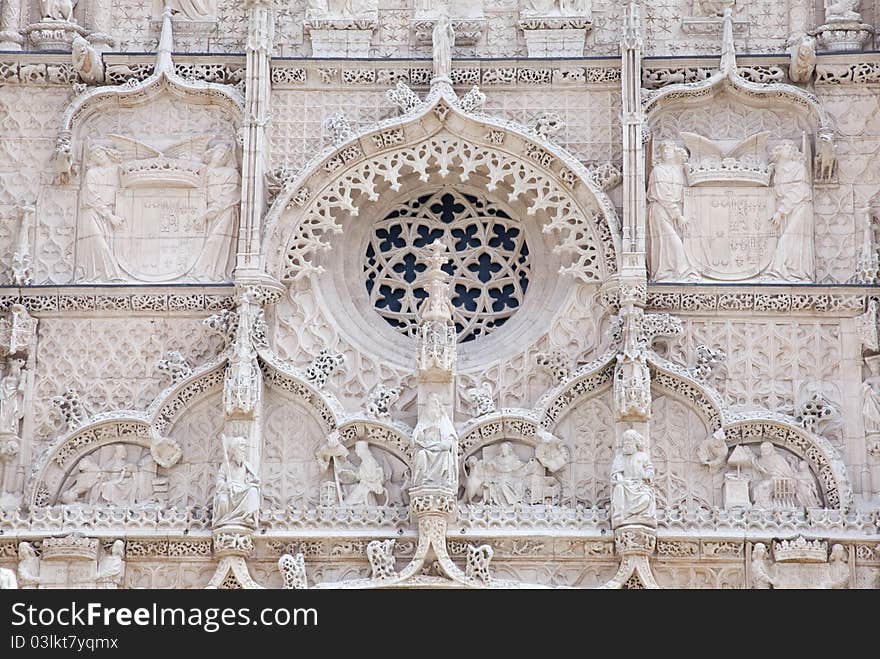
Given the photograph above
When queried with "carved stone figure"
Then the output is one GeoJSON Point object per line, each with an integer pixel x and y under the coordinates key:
{"type": "Point", "coordinates": [57, 10]}
{"type": "Point", "coordinates": [714, 7]}
{"type": "Point", "coordinates": [760, 567]}
{"type": "Point", "coordinates": [333, 453]}
{"type": "Point", "coordinates": [550, 451]}
{"type": "Point", "coordinates": [482, 399]}
{"type": "Point", "coordinates": [7, 579]}
{"type": "Point", "coordinates": [871, 397]}
{"type": "Point", "coordinates": [368, 479]}
{"type": "Point", "coordinates": [12, 391]}
{"type": "Point", "coordinates": [87, 61]}
{"type": "Point", "coordinates": [237, 497]}
{"type": "Point", "coordinates": [222, 184]}
{"type": "Point", "coordinates": [199, 10]}
{"type": "Point", "coordinates": [802, 50]}
{"type": "Point", "coordinates": [71, 408]}
{"type": "Point", "coordinates": [842, 10]}
{"type": "Point", "coordinates": [83, 489]}
{"type": "Point", "coordinates": [174, 366]}
{"type": "Point", "coordinates": [28, 566]}
{"type": "Point", "coordinates": [546, 8]}
{"type": "Point", "coordinates": [111, 566]}
{"type": "Point", "coordinates": [712, 451]}
{"type": "Point", "coordinates": [442, 38]}
{"type": "Point", "coordinates": [794, 260]}
{"type": "Point", "coordinates": [475, 480]}
{"type": "Point", "coordinates": [808, 493]}
{"type": "Point", "coordinates": [633, 500]}
{"type": "Point", "coordinates": [666, 220]}
{"type": "Point", "coordinates": [777, 484]}
{"type": "Point", "coordinates": [837, 571]}
{"type": "Point", "coordinates": [98, 217]}
{"type": "Point", "coordinates": [436, 457]}
{"type": "Point", "coordinates": [505, 476]}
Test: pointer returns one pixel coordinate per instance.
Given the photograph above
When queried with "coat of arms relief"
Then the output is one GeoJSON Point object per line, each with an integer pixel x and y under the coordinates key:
{"type": "Point", "coordinates": [157, 214]}
{"type": "Point", "coordinates": [731, 212]}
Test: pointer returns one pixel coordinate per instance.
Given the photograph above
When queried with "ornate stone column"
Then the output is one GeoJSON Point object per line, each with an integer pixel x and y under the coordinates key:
{"type": "Point", "coordinates": [10, 19]}
{"type": "Point", "coordinates": [633, 504]}
{"type": "Point", "coordinates": [255, 150]}
{"type": "Point", "coordinates": [18, 335]}
{"type": "Point", "coordinates": [101, 19]}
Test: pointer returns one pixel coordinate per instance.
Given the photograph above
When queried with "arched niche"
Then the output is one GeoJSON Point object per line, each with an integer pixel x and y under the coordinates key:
{"type": "Point", "coordinates": [320, 226]}
{"type": "Point", "coordinates": [197, 430]}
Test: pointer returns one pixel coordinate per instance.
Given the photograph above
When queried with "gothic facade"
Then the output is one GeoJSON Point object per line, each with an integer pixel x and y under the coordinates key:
{"type": "Point", "coordinates": [392, 293]}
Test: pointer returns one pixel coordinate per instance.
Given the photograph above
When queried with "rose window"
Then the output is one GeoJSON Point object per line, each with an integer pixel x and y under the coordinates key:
{"type": "Point", "coordinates": [489, 261]}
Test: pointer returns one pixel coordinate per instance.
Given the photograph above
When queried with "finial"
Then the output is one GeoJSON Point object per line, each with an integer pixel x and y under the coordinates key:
{"type": "Point", "coordinates": [166, 43]}
{"type": "Point", "coordinates": [728, 48]}
{"type": "Point", "coordinates": [632, 25]}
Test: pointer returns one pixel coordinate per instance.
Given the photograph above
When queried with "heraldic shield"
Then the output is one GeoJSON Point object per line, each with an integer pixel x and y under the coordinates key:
{"type": "Point", "coordinates": [163, 233]}
{"type": "Point", "coordinates": [163, 199]}
{"type": "Point", "coordinates": [728, 230]}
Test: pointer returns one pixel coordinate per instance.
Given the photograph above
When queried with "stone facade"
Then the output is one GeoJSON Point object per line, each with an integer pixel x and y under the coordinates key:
{"type": "Point", "coordinates": [406, 294]}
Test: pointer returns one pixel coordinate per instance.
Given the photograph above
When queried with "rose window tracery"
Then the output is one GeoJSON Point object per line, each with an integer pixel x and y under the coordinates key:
{"type": "Point", "coordinates": [489, 261]}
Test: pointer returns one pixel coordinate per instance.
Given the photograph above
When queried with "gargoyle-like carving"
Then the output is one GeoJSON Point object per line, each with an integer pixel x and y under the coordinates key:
{"type": "Point", "coordinates": [87, 61]}
{"type": "Point", "coordinates": [478, 559]}
{"type": "Point", "coordinates": [380, 553]}
{"type": "Point", "coordinates": [482, 398]}
{"type": "Point", "coordinates": [381, 400]}
{"type": "Point", "coordinates": [293, 572]}
{"type": "Point", "coordinates": [323, 366]}
{"type": "Point", "coordinates": [174, 366]}
{"type": "Point", "coordinates": [71, 408]}
{"type": "Point", "coordinates": [339, 128]}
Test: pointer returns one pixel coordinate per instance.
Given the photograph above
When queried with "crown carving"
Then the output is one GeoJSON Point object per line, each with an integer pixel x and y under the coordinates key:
{"type": "Point", "coordinates": [161, 171]}
{"type": "Point", "coordinates": [746, 163]}
{"type": "Point", "coordinates": [729, 171]}
{"type": "Point", "coordinates": [800, 550]}
{"type": "Point", "coordinates": [71, 547]}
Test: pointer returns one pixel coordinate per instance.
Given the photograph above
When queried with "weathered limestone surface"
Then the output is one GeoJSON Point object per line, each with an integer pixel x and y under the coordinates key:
{"type": "Point", "coordinates": [511, 293]}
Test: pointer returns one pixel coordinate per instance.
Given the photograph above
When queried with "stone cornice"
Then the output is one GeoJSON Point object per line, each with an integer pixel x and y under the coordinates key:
{"type": "Point", "coordinates": [833, 300]}
{"type": "Point", "coordinates": [40, 300]}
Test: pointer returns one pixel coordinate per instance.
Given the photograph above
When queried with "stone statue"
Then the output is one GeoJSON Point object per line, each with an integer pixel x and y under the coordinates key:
{"type": "Point", "coordinates": [87, 61]}
{"type": "Point", "coordinates": [778, 486]}
{"type": "Point", "coordinates": [871, 397]}
{"type": "Point", "coordinates": [12, 390]}
{"type": "Point", "coordinates": [633, 500]}
{"type": "Point", "coordinates": [666, 215]}
{"type": "Point", "coordinates": [506, 477]}
{"type": "Point", "coordinates": [475, 480]}
{"type": "Point", "coordinates": [807, 492]}
{"type": "Point", "coordinates": [760, 565]}
{"type": "Point", "coordinates": [802, 51]}
{"type": "Point", "coordinates": [436, 459]}
{"type": "Point", "coordinates": [98, 218]}
{"type": "Point", "coordinates": [442, 38]}
{"type": "Point", "coordinates": [57, 10]}
{"type": "Point", "coordinates": [117, 486]}
{"type": "Point", "coordinates": [550, 451]}
{"type": "Point", "coordinates": [842, 10]}
{"type": "Point", "coordinates": [222, 183]}
{"type": "Point", "coordinates": [237, 497]}
{"type": "Point", "coordinates": [794, 259]}
{"type": "Point", "coordinates": [28, 566]}
{"type": "Point", "coordinates": [334, 453]}
{"type": "Point", "coordinates": [83, 489]}
{"type": "Point", "coordinates": [837, 570]}
{"type": "Point", "coordinates": [111, 567]}
{"type": "Point", "coordinates": [368, 478]}
{"type": "Point", "coordinates": [194, 9]}
{"type": "Point", "coordinates": [7, 579]}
